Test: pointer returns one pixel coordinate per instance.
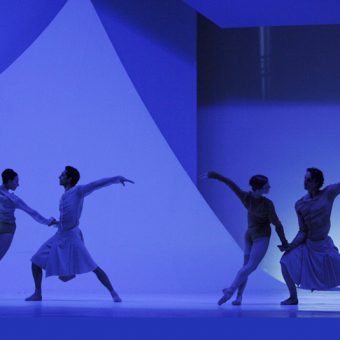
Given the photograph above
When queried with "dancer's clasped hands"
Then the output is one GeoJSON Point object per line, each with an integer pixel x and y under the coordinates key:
{"type": "Point", "coordinates": [52, 222]}
{"type": "Point", "coordinates": [286, 248]}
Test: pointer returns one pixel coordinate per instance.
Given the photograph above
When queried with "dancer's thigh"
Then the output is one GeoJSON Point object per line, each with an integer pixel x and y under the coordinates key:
{"type": "Point", "coordinates": [258, 251]}
{"type": "Point", "coordinates": [247, 245]}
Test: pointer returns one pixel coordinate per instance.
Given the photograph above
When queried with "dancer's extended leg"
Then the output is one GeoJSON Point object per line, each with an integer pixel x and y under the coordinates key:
{"type": "Point", "coordinates": [241, 288]}
{"type": "Point", "coordinates": [104, 279]}
{"type": "Point", "coordinates": [248, 243]}
{"type": "Point", "coordinates": [292, 300]}
{"type": "Point", "coordinates": [37, 276]}
{"type": "Point", "coordinates": [258, 250]}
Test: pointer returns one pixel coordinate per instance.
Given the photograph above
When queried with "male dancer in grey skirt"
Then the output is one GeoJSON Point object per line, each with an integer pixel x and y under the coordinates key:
{"type": "Point", "coordinates": [312, 261]}
{"type": "Point", "coordinates": [65, 254]}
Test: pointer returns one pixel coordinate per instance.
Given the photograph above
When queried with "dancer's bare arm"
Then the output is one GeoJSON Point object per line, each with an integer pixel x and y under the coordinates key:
{"type": "Point", "coordinates": [232, 185]}
{"type": "Point", "coordinates": [301, 235]}
{"type": "Point", "coordinates": [101, 183]}
{"type": "Point", "coordinates": [333, 190]}
{"type": "Point", "coordinates": [274, 219]}
{"type": "Point", "coordinates": [20, 204]}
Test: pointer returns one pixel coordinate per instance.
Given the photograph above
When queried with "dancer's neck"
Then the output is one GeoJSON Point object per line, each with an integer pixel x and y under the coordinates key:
{"type": "Point", "coordinates": [256, 194]}
{"type": "Point", "coordinates": [67, 187]}
{"type": "Point", "coordinates": [314, 193]}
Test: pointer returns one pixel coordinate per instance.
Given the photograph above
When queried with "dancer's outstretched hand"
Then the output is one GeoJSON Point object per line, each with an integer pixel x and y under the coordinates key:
{"type": "Point", "coordinates": [210, 174]}
{"type": "Point", "coordinates": [203, 176]}
{"type": "Point", "coordinates": [124, 180]}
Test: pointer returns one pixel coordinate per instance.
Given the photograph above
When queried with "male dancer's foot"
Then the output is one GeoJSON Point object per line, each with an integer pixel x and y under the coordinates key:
{"type": "Point", "coordinates": [115, 296]}
{"type": "Point", "coordinates": [227, 294]}
{"type": "Point", "coordinates": [36, 296]}
{"type": "Point", "coordinates": [291, 301]}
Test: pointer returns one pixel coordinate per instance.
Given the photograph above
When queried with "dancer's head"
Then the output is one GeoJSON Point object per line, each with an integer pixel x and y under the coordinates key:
{"type": "Point", "coordinates": [10, 179]}
{"type": "Point", "coordinates": [69, 177]}
{"type": "Point", "coordinates": [313, 179]}
{"type": "Point", "coordinates": [260, 184]}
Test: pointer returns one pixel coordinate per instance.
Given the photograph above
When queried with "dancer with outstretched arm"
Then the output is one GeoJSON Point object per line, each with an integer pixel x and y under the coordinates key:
{"type": "Point", "coordinates": [9, 202]}
{"type": "Point", "coordinates": [65, 254]}
{"type": "Point", "coordinates": [261, 213]}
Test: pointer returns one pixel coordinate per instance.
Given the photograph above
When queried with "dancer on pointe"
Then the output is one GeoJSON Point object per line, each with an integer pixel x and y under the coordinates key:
{"type": "Point", "coordinates": [8, 203]}
{"type": "Point", "coordinates": [65, 254]}
{"type": "Point", "coordinates": [312, 261]}
{"type": "Point", "coordinates": [261, 213]}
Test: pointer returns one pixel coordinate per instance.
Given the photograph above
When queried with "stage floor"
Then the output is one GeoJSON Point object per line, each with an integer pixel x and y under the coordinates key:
{"type": "Point", "coordinates": [312, 305]}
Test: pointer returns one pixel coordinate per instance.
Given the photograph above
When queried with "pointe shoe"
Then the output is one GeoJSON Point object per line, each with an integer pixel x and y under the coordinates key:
{"type": "Point", "coordinates": [225, 291]}
{"type": "Point", "coordinates": [226, 296]}
{"type": "Point", "coordinates": [115, 297]}
{"type": "Point", "coordinates": [291, 301]}
{"type": "Point", "coordinates": [34, 297]}
{"type": "Point", "coordinates": [237, 302]}
{"type": "Point", "coordinates": [223, 300]}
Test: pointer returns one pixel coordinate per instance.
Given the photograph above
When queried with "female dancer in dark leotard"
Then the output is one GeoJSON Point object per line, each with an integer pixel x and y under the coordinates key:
{"type": "Point", "coordinates": [261, 213]}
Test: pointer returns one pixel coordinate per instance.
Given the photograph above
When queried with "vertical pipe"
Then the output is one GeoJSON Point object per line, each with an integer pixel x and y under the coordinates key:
{"type": "Point", "coordinates": [264, 37]}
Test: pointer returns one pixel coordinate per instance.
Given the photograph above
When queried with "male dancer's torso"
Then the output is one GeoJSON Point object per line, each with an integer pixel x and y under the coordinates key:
{"type": "Point", "coordinates": [70, 207]}
{"type": "Point", "coordinates": [314, 212]}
